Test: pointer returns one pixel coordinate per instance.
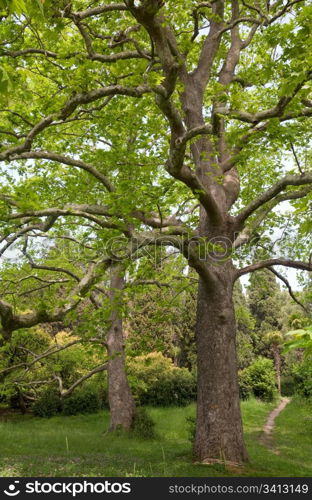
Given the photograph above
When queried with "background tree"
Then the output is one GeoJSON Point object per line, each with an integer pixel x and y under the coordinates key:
{"type": "Point", "coordinates": [275, 340]}
{"type": "Point", "coordinates": [161, 309]}
{"type": "Point", "coordinates": [265, 301]}
{"type": "Point", "coordinates": [99, 314]}
{"type": "Point", "coordinates": [247, 338]}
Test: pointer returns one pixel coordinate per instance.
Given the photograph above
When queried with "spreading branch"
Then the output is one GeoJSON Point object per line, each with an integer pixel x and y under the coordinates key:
{"type": "Point", "coordinates": [68, 109]}
{"type": "Point", "coordinates": [294, 264]}
{"type": "Point", "coordinates": [66, 392]}
{"type": "Point", "coordinates": [272, 192]}
{"type": "Point", "coordinates": [287, 284]}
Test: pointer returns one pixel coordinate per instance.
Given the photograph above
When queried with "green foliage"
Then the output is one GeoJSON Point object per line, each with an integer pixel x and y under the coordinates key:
{"type": "Point", "coordinates": [300, 339]}
{"type": "Point", "coordinates": [162, 318]}
{"type": "Point", "coordinates": [265, 301]}
{"type": "Point", "coordinates": [16, 6]}
{"type": "Point", "coordinates": [156, 381]}
{"type": "Point", "coordinates": [5, 81]}
{"type": "Point", "coordinates": [48, 405]}
{"type": "Point", "coordinates": [143, 426]}
{"type": "Point", "coordinates": [86, 400]}
{"type": "Point", "coordinates": [302, 373]}
{"type": "Point", "coordinates": [258, 379]}
{"type": "Point", "coordinates": [245, 328]}
{"type": "Point", "coordinates": [245, 388]}
{"type": "Point", "coordinates": [191, 427]}
{"type": "Point", "coordinates": [82, 401]}
{"type": "Point", "coordinates": [174, 388]}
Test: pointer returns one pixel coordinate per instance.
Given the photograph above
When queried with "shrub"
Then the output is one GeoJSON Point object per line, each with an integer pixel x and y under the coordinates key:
{"type": "Point", "coordinates": [245, 389]}
{"type": "Point", "coordinates": [84, 401]}
{"type": "Point", "coordinates": [174, 388]}
{"type": "Point", "coordinates": [302, 373]}
{"type": "Point", "coordinates": [48, 405]}
{"type": "Point", "coordinates": [156, 381]}
{"type": "Point", "coordinates": [145, 370]}
{"type": "Point", "coordinates": [143, 426]}
{"type": "Point", "coordinates": [258, 379]}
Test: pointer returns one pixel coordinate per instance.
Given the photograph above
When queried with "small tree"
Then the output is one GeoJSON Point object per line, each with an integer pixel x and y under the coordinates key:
{"type": "Point", "coordinates": [275, 340]}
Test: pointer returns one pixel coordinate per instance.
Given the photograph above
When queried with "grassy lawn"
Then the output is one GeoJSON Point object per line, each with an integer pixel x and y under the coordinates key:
{"type": "Point", "coordinates": [80, 445]}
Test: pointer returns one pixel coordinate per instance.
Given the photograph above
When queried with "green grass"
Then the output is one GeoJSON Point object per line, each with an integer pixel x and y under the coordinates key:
{"type": "Point", "coordinates": [80, 445]}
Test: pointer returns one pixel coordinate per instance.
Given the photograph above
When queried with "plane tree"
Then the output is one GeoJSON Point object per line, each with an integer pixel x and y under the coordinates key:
{"type": "Point", "coordinates": [160, 123]}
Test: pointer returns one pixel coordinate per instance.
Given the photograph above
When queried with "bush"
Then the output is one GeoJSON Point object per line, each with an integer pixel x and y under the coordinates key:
{"type": "Point", "coordinates": [174, 388]}
{"type": "Point", "coordinates": [156, 381]}
{"type": "Point", "coordinates": [258, 379]}
{"type": "Point", "coordinates": [245, 389]}
{"type": "Point", "coordinates": [302, 373]}
{"type": "Point", "coordinates": [143, 426]}
{"type": "Point", "coordinates": [85, 401]}
{"type": "Point", "coordinates": [48, 405]}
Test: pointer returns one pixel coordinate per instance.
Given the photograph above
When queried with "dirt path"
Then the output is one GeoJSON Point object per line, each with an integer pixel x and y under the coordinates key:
{"type": "Point", "coordinates": [266, 438]}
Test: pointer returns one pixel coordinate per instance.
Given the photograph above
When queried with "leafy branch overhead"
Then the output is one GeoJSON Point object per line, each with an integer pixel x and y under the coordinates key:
{"type": "Point", "coordinates": [299, 339]}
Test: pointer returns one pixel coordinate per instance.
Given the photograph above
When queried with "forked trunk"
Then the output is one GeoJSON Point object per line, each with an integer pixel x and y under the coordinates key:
{"type": "Point", "coordinates": [121, 402]}
{"type": "Point", "coordinates": [219, 431]}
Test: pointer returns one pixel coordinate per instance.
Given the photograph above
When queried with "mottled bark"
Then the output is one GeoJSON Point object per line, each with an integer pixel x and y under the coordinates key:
{"type": "Point", "coordinates": [219, 432]}
{"type": "Point", "coordinates": [121, 402]}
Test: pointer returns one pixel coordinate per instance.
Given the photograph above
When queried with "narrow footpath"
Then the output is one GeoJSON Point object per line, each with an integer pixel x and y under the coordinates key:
{"type": "Point", "coordinates": [267, 438]}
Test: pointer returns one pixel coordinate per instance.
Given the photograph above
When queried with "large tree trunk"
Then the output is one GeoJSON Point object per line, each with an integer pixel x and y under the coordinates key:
{"type": "Point", "coordinates": [219, 432]}
{"type": "Point", "coordinates": [121, 402]}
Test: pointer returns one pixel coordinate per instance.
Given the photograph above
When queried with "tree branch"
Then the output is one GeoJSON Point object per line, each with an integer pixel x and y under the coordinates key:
{"type": "Point", "coordinates": [66, 160]}
{"type": "Point", "coordinates": [101, 9]}
{"type": "Point", "coordinates": [66, 392]}
{"type": "Point", "coordinates": [246, 235]}
{"type": "Point", "coordinates": [12, 321]}
{"type": "Point", "coordinates": [286, 282]}
{"type": "Point", "coordinates": [303, 266]}
{"type": "Point", "coordinates": [269, 194]}
{"type": "Point", "coordinates": [68, 109]}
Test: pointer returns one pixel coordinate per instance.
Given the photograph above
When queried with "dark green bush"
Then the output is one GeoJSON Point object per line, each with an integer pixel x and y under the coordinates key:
{"type": "Point", "coordinates": [302, 373]}
{"type": "Point", "coordinates": [85, 401]}
{"type": "Point", "coordinates": [48, 405]}
{"type": "Point", "coordinates": [245, 389]}
{"type": "Point", "coordinates": [258, 379]}
{"type": "Point", "coordinates": [143, 426]}
{"type": "Point", "coordinates": [174, 388]}
{"type": "Point", "coordinates": [156, 381]}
